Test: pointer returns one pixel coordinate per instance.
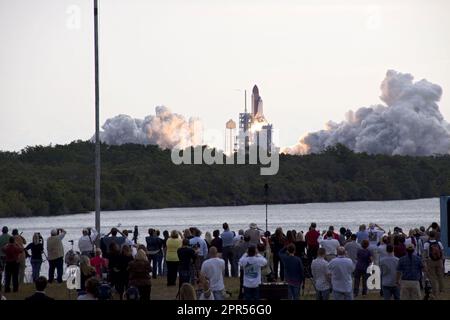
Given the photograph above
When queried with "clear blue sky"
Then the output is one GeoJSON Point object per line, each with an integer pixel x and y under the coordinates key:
{"type": "Point", "coordinates": [312, 60]}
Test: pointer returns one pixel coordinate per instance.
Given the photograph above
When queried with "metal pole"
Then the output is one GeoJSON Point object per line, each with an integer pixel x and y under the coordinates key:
{"type": "Point", "coordinates": [266, 194]}
{"type": "Point", "coordinates": [97, 123]}
{"type": "Point", "coordinates": [266, 217]}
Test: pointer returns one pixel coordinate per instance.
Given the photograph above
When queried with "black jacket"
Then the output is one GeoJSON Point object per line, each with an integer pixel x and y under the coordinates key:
{"type": "Point", "coordinates": [39, 296]}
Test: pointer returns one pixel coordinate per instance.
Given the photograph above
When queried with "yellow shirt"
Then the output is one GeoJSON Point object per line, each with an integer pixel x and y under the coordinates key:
{"type": "Point", "coordinates": [172, 247]}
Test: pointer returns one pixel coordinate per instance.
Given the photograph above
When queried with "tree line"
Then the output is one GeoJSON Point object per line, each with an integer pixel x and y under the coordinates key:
{"type": "Point", "coordinates": [54, 180]}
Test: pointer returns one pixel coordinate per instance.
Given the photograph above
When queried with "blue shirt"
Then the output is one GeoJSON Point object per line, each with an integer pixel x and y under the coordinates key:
{"type": "Point", "coordinates": [363, 259]}
{"type": "Point", "coordinates": [362, 235]}
{"type": "Point", "coordinates": [227, 238]}
{"type": "Point", "coordinates": [203, 246]}
{"type": "Point", "coordinates": [410, 267]}
{"type": "Point", "coordinates": [293, 268]}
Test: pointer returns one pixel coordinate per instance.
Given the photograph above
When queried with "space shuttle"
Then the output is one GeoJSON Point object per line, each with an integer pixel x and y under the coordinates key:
{"type": "Point", "coordinates": [257, 104]}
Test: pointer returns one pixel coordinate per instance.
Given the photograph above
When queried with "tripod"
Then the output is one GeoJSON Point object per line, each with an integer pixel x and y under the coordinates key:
{"type": "Point", "coordinates": [308, 275]}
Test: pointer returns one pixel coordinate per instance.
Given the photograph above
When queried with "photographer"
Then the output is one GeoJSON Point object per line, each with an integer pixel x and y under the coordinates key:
{"type": "Point", "coordinates": [20, 241]}
{"type": "Point", "coordinates": [108, 239]}
{"type": "Point", "coordinates": [55, 251]}
{"type": "Point", "coordinates": [129, 242]}
{"type": "Point", "coordinates": [87, 241]}
{"type": "Point", "coordinates": [37, 249]}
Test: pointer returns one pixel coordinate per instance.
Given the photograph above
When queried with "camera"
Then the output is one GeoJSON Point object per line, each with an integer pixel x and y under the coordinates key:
{"type": "Point", "coordinates": [196, 246]}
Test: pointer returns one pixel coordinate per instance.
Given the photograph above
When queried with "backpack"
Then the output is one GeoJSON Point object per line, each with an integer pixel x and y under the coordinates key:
{"type": "Point", "coordinates": [434, 251]}
{"type": "Point", "coordinates": [104, 292]}
{"type": "Point", "coordinates": [132, 293]}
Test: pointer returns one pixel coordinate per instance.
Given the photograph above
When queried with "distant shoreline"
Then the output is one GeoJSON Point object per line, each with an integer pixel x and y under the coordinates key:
{"type": "Point", "coordinates": [59, 180]}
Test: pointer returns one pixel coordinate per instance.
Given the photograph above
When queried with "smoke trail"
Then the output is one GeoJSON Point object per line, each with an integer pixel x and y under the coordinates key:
{"type": "Point", "coordinates": [165, 129]}
{"type": "Point", "coordinates": [409, 124]}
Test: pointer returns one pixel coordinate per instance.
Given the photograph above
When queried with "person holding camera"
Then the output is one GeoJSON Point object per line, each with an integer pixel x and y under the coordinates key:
{"type": "Point", "coordinates": [55, 254]}
{"type": "Point", "coordinates": [213, 268]}
{"type": "Point", "coordinates": [86, 242]}
{"type": "Point", "coordinates": [37, 249]}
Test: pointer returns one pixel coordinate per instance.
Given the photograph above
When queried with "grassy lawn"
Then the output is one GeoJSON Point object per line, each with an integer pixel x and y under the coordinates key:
{"type": "Point", "coordinates": [160, 291]}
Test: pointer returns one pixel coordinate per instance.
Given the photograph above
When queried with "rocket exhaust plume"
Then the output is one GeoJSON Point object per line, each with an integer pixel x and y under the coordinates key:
{"type": "Point", "coordinates": [409, 124]}
{"type": "Point", "coordinates": [165, 129]}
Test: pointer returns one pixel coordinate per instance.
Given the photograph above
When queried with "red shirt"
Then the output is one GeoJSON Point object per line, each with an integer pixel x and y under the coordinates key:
{"type": "Point", "coordinates": [311, 238]}
{"type": "Point", "coordinates": [12, 252]}
{"type": "Point", "coordinates": [98, 262]}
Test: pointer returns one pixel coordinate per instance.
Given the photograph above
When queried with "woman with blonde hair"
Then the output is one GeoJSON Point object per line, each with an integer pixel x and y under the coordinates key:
{"type": "Point", "coordinates": [187, 292]}
{"type": "Point", "coordinates": [139, 275]}
{"type": "Point", "coordinates": [86, 271]}
{"type": "Point", "coordinates": [300, 245]}
{"type": "Point", "coordinates": [172, 245]}
{"type": "Point", "coordinates": [208, 238]}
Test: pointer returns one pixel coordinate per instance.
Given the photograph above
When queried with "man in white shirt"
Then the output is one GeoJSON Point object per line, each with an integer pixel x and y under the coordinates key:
{"type": "Point", "coordinates": [252, 262]}
{"type": "Point", "coordinates": [341, 269]}
{"type": "Point", "coordinates": [330, 244]}
{"type": "Point", "coordinates": [321, 275]}
{"type": "Point", "coordinates": [213, 268]}
{"type": "Point", "coordinates": [86, 242]}
{"type": "Point", "coordinates": [375, 233]}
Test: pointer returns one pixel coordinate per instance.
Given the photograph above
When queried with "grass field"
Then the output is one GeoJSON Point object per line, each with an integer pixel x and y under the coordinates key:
{"type": "Point", "coordinates": [161, 292]}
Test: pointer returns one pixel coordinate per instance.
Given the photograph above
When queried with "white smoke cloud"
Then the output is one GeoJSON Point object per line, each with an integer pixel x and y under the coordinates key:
{"type": "Point", "coordinates": [409, 124]}
{"type": "Point", "coordinates": [165, 129]}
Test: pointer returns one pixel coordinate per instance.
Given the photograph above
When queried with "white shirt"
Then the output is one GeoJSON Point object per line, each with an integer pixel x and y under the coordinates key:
{"type": "Point", "coordinates": [341, 270]}
{"type": "Point", "coordinates": [86, 243]}
{"type": "Point", "coordinates": [409, 241]}
{"type": "Point", "coordinates": [381, 249]}
{"type": "Point", "coordinates": [330, 245]}
{"type": "Point", "coordinates": [252, 269]}
{"type": "Point", "coordinates": [319, 270]}
{"type": "Point", "coordinates": [375, 235]}
{"type": "Point", "coordinates": [213, 269]}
